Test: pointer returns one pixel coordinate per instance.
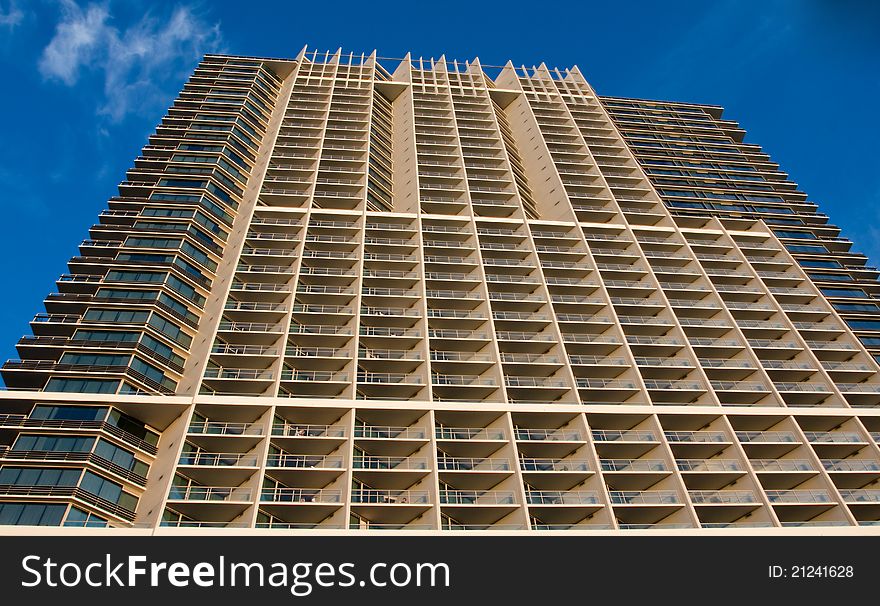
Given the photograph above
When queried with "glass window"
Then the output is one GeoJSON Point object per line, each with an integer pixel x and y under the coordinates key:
{"type": "Point", "coordinates": [82, 385]}
{"type": "Point", "coordinates": [806, 248]}
{"type": "Point", "coordinates": [818, 263]}
{"type": "Point", "coordinates": [795, 234]}
{"type": "Point", "coordinates": [69, 413]}
{"type": "Point", "coordinates": [856, 306]}
{"type": "Point", "coordinates": [78, 517]}
{"type": "Point", "coordinates": [31, 514]}
{"type": "Point", "coordinates": [832, 277]}
{"type": "Point", "coordinates": [845, 292]}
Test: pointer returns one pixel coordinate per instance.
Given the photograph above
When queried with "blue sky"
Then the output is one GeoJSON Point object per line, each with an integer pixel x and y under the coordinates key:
{"type": "Point", "coordinates": [86, 82]}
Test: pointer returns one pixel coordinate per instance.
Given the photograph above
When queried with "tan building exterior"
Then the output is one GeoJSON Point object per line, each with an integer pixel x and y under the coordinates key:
{"type": "Point", "coordinates": [346, 294]}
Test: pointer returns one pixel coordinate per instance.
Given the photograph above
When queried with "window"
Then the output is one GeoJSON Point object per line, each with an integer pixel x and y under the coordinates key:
{"type": "Point", "coordinates": [86, 359]}
{"type": "Point", "coordinates": [116, 315]}
{"type": "Point", "coordinates": [152, 373]}
{"type": "Point", "coordinates": [864, 324]}
{"type": "Point", "coordinates": [113, 336]}
{"type": "Point", "coordinates": [82, 385]}
{"type": "Point", "coordinates": [124, 293]}
{"type": "Point", "coordinates": [178, 307]}
{"type": "Point", "coordinates": [161, 349]}
{"type": "Point", "coordinates": [181, 183]}
{"type": "Point", "coordinates": [69, 413]}
{"type": "Point", "coordinates": [806, 248]}
{"type": "Point", "coordinates": [184, 289]}
{"type": "Point", "coordinates": [31, 514]}
{"type": "Point", "coordinates": [779, 210]}
{"type": "Point", "coordinates": [832, 277]}
{"type": "Point", "coordinates": [870, 341]}
{"type": "Point", "coordinates": [170, 329]}
{"type": "Point", "coordinates": [680, 204]}
{"type": "Point", "coordinates": [120, 456]}
{"type": "Point", "coordinates": [845, 292]}
{"type": "Point", "coordinates": [54, 443]}
{"type": "Point", "coordinates": [39, 476]}
{"type": "Point", "coordinates": [132, 426]}
{"type": "Point", "coordinates": [857, 306]}
{"type": "Point", "coordinates": [107, 490]}
{"type": "Point", "coordinates": [135, 276]}
{"type": "Point", "coordinates": [795, 234]}
{"type": "Point", "coordinates": [818, 263]}
{"type": "Point", "coordinates": [78, 517]}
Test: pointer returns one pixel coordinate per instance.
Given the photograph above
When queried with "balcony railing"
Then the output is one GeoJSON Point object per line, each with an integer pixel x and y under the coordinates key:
{"type": "Point", "coordinates": [218, 459]}
{"type": "Point", "coordinates": [476, 497]}
{"type": "Point", "coordinates": [799, 496]}
{"type": "Point", "coordinates": [304, 430]}
{"type": "Point", "coordinates": [765, 436]}
{"type": "Point", "coordinates": [644, 497]}
{"type": "Point", "coordinates": [834, 437]}
{"type": "Point", "coordinates": [468, 433]}
{"type": "Point", "coordinates": [782, 465]}
{"type": "Point", "coordinates": [548, 435]}
{"type": "Point", "coordinates": [389, 431]}
{"type": "Point", "coordinates": [397, 497]}
{"type": "Point", "coordinates": [633, 465]}
{"type": "Point", "coordinates": [472, 464]}
{"type": "Point", "coordinates": [850, 465]}
{"type": "Point", "coordinates": [550, 465]}
{"type": "Point", "coordinates": [708, 465]}
{"type": "Point", "coordinates": [705, 497]}
{"type": "Point", "coordinates": [624, 435]}
{"type": "Point", "coordinates": [300, 495]}
{"type": "Point", "coordinates": [860, 495]}
{"type": "Point", "coordinates": [390, 463]}
{"type": "Point", "coordinates": [223, 428]}
{"type": "Point", "coordinates": [696, 436]}
{"type": "Point", "coordinates": [209, 493]}
{"type": "Point", "coordinates": [562, 497]}
{"type": "Point", "coordinates": [287, 460]}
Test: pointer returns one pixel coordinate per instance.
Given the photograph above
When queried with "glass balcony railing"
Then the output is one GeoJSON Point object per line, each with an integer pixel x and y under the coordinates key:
{"type": "Point", "coordinates": [644, 497]}
{"type": "Point", "coordinates": [477, 497]}
{"type": "Point", "coordinates": [724, 497]}
{"type": "Point", "coordinates": [651, 465]}
{"type": "Point", "coordinates": [473, 464]}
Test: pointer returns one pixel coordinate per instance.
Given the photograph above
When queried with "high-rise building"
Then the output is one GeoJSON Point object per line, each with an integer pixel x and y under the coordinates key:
{"type": "Point", "coordinates": [346, 292]}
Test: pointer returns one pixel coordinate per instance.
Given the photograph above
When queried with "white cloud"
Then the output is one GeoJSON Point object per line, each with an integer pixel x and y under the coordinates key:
{"type": "Point", "coordinates": [12, 17]}
{"type": "Point", "coordinates": [78, 38]}
{"type": "Point", "coordinates": [134, 61]}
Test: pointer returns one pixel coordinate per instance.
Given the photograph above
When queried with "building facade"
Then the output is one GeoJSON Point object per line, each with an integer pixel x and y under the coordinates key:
{"type": "Point", "coordinates": [343, 293]}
